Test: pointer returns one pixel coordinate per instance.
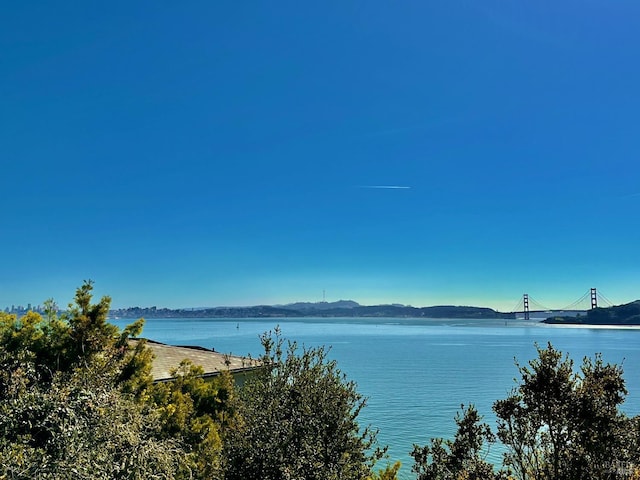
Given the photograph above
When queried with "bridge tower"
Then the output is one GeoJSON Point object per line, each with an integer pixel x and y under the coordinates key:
{"type": "Point", "coordinates": [525, 302]}
{"type": "Point", "coordinates": [594, 298]}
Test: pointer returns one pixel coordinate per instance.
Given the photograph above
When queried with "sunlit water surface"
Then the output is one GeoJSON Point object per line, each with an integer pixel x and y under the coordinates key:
{"type": "Point", "coordinates": [417, 372]}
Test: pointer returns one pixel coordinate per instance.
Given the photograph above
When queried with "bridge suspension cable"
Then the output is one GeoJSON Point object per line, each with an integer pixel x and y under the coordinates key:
{"type": "Point", "coordinates": [518, 307]}
{"type": "Point", "coordinates": [576, 304]}
{"type": "Point", "coordinates": [537, 305]}
{"type": "Point", "coordinates": [601, 297]}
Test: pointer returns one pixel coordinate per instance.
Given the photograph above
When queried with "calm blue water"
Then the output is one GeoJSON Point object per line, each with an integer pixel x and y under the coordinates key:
{"type": "Point", "coordinates": [416, 373]}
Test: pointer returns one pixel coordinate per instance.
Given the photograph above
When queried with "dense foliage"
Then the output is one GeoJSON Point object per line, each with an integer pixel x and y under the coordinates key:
{"type": "Point", "coordinates": [77, 401]}
{"type": "Point", "coordinates": [196, 412]}
{"type": "Point", "coordinates": [71, 391]}
{"type": "Point", "coordinates": [79, 426]}
{"type": "Point", "coordinates": [560, 424]}
{"type": "Point", "coordinates": [299, 421]}
{"type": "Point", "coordinates": [462, 457]}
{"type": "Point", "coordinates": [557, 424]}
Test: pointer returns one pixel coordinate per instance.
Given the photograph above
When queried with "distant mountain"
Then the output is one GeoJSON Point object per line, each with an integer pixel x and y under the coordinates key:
{"type": "Point", "coordinates": [349, 308]}
{"type": "Point", "coordinates": [443, 311]}
{"type": "Point", "coordinates": [319, 306]}
{"type": "Point", "coordinates": [341, 308]}
{"type": "Point", "coordinates": [627, 314]}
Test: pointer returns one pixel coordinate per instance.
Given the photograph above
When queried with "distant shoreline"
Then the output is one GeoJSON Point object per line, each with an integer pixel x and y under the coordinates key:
{"type": "Point", "coordinates": [592, 326]}
{"type": "Point", "coordinates": [622, 315]}
{"type": "Point", "coordinates": [533, 322]}
{"type": "Point", "coordinates": [342, 309]}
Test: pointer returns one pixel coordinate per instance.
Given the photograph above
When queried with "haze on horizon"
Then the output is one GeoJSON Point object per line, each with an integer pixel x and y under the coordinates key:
{"type": "Point", "coordinates": [218, 153]}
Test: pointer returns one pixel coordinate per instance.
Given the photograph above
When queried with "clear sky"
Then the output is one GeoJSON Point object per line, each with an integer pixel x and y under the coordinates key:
{"type": "Point", "coordinates": [209, 153]}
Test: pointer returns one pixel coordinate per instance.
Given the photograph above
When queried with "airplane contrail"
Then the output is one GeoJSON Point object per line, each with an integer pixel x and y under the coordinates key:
{"type": "Point", "coordinates": [389, 187]}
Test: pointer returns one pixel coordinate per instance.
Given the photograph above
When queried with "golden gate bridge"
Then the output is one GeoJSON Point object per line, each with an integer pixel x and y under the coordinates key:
{"type": "Point", "coordinates": [527, 305]}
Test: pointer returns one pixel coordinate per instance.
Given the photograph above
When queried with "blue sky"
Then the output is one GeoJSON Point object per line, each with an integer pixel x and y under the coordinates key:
{"type": "Point", "coordinates": [223, 153]}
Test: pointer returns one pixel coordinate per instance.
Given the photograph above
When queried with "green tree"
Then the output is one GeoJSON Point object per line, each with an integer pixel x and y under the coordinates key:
{"type": "Point", "coordinates": [390, 472]}
{"type": "Point", "coordinates": [460, 458]}
{"type": "Point", "coordinates": [560, 424]}
{"type": "Point", "coordinates": [74, 389]}
{"type": "Point", "coordinates": [299, 421]}
{"type": "Point", "coordinates": [196, 412]}
{"type": "Point", "coordinates": [80, 337]}
{"type": "Point", "coordinates": [71, 391]}
{"type": "Point", "coordinates": [79, 425]}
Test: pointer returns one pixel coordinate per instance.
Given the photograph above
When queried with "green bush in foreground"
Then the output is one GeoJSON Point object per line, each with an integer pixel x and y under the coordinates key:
{"type": "Point", "coordinates": [299, 421]}
{"type": "Point", "coordinates": [564, 425]}
{"type": "Point", "coordinates": [79, 426]}
{"type": "Point", "coordinates": [557, 424]}
{"type": "Point", "coordinates": [72, 399]}
{"type": "Point", "coordinates": [77, 402]}
{"type": "Point", "coordinates": [460, 458]}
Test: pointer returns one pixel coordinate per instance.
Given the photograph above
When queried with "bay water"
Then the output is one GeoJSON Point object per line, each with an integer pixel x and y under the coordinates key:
{"type": "Point", "coordinates": [416, 373]}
